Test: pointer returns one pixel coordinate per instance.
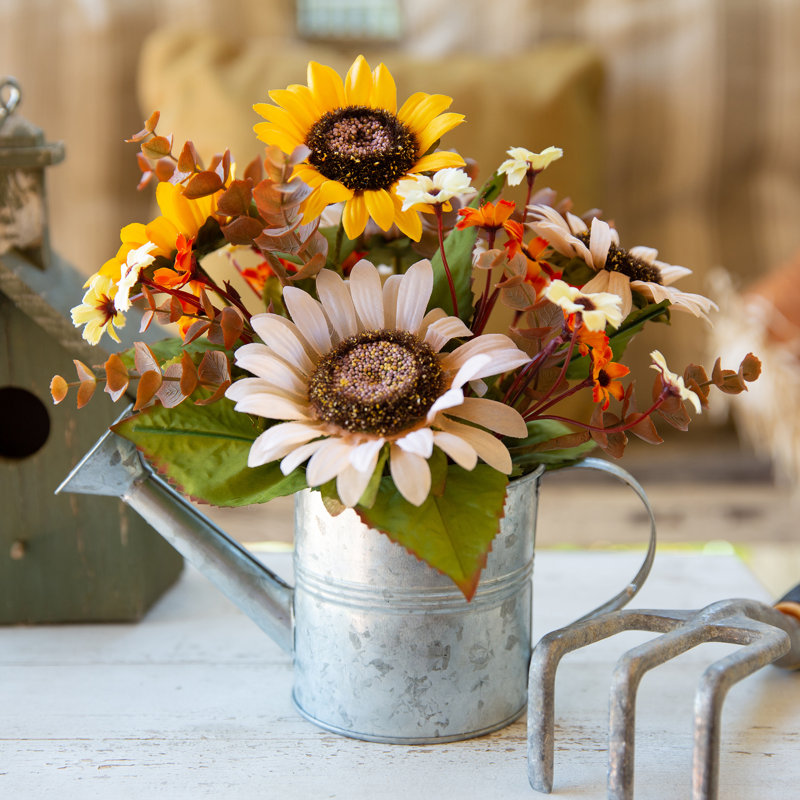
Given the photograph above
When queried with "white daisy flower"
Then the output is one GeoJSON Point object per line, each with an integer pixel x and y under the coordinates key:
{"type": "Point", "coordinates": [619, 271]}
{"type": "Point", "coordinates": [364, 368]}
{"type": "Point", "coordinates": [675, 382]}
{"type": "Point", "coordinates": [597, 309]}
{"type": "Point", "coordinates": [523, 161]}
{"type": "Point", "coordinates": [423, 190]}
{"type": "Point", "coordinates": [135, 262]}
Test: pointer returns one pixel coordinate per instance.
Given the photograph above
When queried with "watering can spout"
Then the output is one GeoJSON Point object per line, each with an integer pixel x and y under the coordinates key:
{"type": "Point", "coordinates": [114, 468]}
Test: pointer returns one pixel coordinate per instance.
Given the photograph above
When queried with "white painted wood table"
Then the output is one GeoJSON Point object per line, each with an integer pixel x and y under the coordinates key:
{"type": "Point", "coordinates": [194, 702]}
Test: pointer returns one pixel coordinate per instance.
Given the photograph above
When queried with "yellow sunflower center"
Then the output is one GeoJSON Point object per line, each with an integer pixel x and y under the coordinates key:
{"type": "Point", "coordinates": [620, 260]}
{"type": "Point", "coordinates": [362, 148]}
{"type": "Point", "coordinates": [377, 382]}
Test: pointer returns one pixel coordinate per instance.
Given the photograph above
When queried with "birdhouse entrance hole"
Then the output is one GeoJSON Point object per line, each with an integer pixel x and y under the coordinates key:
{"type": "Point", "coordinates": [24, 423]}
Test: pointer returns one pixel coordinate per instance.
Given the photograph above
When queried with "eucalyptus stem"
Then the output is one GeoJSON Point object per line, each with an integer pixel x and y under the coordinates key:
{"type": "Point", "coordinates": [337, 247]}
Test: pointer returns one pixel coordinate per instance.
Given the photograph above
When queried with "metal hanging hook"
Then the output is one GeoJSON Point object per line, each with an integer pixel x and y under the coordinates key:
{"type": "Point", "coordinates": [10, 95]}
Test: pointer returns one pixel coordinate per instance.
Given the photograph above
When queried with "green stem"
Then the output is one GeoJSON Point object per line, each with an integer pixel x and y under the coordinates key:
{"type": "Point", "coordinates": [440, 228]}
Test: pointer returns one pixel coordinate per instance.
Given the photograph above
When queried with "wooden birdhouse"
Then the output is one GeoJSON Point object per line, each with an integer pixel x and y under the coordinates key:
{"type": "Point", "coordinates": [63, 558]}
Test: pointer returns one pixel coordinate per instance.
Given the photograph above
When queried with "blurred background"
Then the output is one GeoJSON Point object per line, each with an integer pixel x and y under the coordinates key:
{"type": "Point", "coordinates": [679, 118]}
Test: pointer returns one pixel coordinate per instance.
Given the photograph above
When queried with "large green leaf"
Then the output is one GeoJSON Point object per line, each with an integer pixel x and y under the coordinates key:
{"type": "Point", "coordinates": [452, 530]}
{"type": "Point", "coordinates": [619, 340]}
{"type": "Point", "coordinates": [458, 248]}
{"type": "Point", "coordinates": [202, 450]}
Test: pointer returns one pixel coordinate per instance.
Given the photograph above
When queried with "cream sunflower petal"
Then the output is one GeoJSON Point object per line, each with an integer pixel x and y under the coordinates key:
{"type": "Point", "coordinates": [599, 283]}
{"type": "Point", "coordinates": [283, 336]}
{"type": "Point", "coordinates": [358, 83]}
{"type": "Point", "coordinates": [391, 286]}
{"type": "Point", "coordinates": [309, 317]}
{"type": "Point", "coordinates": [473, 367]}
{"type": "Point", "coordinates": [413, 296]}
{"type": "Point", "coordinates": [380, 207]}
{"type": "Point", "coordinates": [463, 453]}
{"type": "Point", "coordinates": [450, 399]}
{"type": "Point", "coordinates": [298, 456]}
{"type": "Point", "coordinates": [355, 216]}
{"type": "Point", "coordinates": [504, 354]}
{"type": "Point", "coordinates": [384, 90]}
{"type": "Point", "coordinates": [279, 440]}
{"type": "Point", "coordinates": [366, 454]}
{"type": "Point", "coordinates": [491, 414]}
{"type": "Point", "coordinates": [273, 405]}
{"type": "Point", "coordinates": [488, 447]}
{"type": "Point", "coordinates": [330, 459]}
{"type": "Point", "coordinates": [438, 128]}
{"type": "Point", "coordinates": [351, 484]}
{"type": "Point", "coordinates": [326, 86]}
{"type": "Point", "coordinates": [411, 475]}
{"type": "Point", "coordinates": [419, 442]}
{"type": "Point", "coordinates": [441, 159]}
{"type": "Point", "coordinates": [338, 303]}
{"type": "Point", "coordinates": [246, 387]}
{"type": "Point", "coordinates": [440, 332]}
{"type": "Point", "coordinates": [434, 315]}
{"type": "Point", "coordinates": [367, 294]}
{"type": "Point", "coordinates": [670, 272]}
{"type": "Point", "coordinates": [620, 285]}
{"type": "Point", "coordinates": [599, 242]}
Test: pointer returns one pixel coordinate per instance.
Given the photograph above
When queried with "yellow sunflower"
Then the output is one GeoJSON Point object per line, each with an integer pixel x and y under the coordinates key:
{"type": "Point", "coordinates": [361, 144]}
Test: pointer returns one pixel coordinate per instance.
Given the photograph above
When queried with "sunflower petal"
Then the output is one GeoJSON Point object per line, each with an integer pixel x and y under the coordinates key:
{"type": "Point", "coordinates": [425, 111]}
{"type": "Point", "coordinates": [284, 338]}
{"type": "Point", "coordinates": [365, 455]}
{"type": "Point", "coordinates": [329, 460]}
{"type": "Point", "coordinates": [488, 447]}
{"type": "Point", "coordinates": [411, 475]}
{"type": "Point", "coordinates": [326, 86]}
{"type": "Point", "coordinates": [419, 442]}
{"type": "Point", "coordinates": [358, 83]}
{"type": "Point", "coordinates": [309, 317]}
{"type": "Point", "coordinates": [338, 303]}
{"type": "Point", "coordinates": [298, 456]}
{"type": "Point", "coordinates": [391, 286]}
{"type": "Point", "coordinates": [380, 207]}
{"type": "Point", "coordinates": [279, 440]}
{"type": "Point", "coordinates": [441, 159]}
{"type": "Point", "coordinates": [413, 296]}
{"type": "Point", "coordinates": [301, 111]}
{"type": "Point", "coordinates": [367, 294]}
{"type": "Point", "coordinates": [407, 221]}
{"type": "Point", "coordinates": [271, 134]}
{"type": "Point", "coordinates": [351, 484]}
{"type": "Point", "coordinates": [384, 90]}
{"type": "Point", "coordinates": [440, 332]}
{"type": "Point", "coordinates": [495, 416]}
{"type": "Point", "coordinates": [355, 216]}
{"type": "Point", "coordinates": [281, 118]}
{"type": "Point", "coordinates": [272, 405]}
{"type": "Point", "coordinates": [438, 128]}
{"type": "Point", "coordinates": [462, 452]}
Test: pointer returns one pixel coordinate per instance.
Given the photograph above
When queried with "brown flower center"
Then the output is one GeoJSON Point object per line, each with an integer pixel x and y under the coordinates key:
{"type": "Point", "coordinates": [361, 147]}
{"type": "Point", "coordinates": [620, 260]}
{"type": "Point", "coordinates": [377, 382]}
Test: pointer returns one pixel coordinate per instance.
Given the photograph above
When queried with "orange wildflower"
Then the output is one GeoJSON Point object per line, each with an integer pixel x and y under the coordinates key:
{"type": "Point", "coordinates": [539, 273]}
{"type": "Point", "coordinates": [604, 375]}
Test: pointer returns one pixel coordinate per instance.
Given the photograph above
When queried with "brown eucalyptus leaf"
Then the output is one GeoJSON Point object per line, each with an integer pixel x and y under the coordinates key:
{"type": "Point", "coordinates": [254, 171]}
{"type": "Point", "coordinates": [613, 443]}
{"type": "Point", "coordinates": [243, 230]}
{"type": "Point", "coordinates": [157, 147]}
{"type": "Point", "coordinates": [188, 374]}
{"type": "Point", "coordinates": [148, 296]}
{"type": "Point", "coordinates": [84, 373]}
{"type": "Point", "coordinates": [315, 244]}
{"type": "Point", "coordinates": [231, 324]}
{"type": "Point", "coordinates": [520, 297]}
{"type": "Point", "coordinates": [672, 410]}
{"type": "Point", "coordinates": [144, 359]}
{"type": "Point", "coordinates": [169, 393]}
{"type": "Point", "coordinates": [215, 335]}
{"type": "Point", "coordinates": [644, 428]}
{"type": "Point", "coordinates": [202, 184]}
{"type": "Point", "coordinates": [85, 392]}
{"type": "Point", "coordinates": [218, 395]}
{"type": "Point", "coordinates": [564, 442]}
{"type": "Point", "coordinates": [489, 259]}
{"type": "Point", "coordinates": [116, 377]}
{"type": "Point", "coordinates": [750, 368]}
{"type": "Point", "coordinates": [214, 368]}
{"type": "Point", "coordinates": [152, 121]}
{"type": "Point", "coordinates": [196, 330]}
{"type": "Point", "coordinates": [293, 193]}
{"type": "Point", "coordinates": [58, 389]}
{"type": "Point", "coordinates": [208, 307]}
{"type": "Point", "coordinates": [235, 200]}
{"type": "Point", "coordinates": [149, 384]}
{"type": "Point", "coordinates": [165, 167]}
{"type": "Point", "coordinates": [147, 319]}
{"type": "Point", "coordinates": [298, 155]}
{"type": "Point", "coordinates": [175, 309]}
{"type": "Point", "coordinates": [696, 379]}
{"type": "Point", "coordinates": [189, 160]}
{"type": "Point", "coordinates": [310, 269]}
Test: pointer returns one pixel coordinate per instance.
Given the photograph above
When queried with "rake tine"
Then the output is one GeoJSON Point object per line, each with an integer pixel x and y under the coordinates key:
{"type": "Point", "coordinates": [768, 644]}
{"type": "Point", "coordinates": [542, 676]}
{"type": "Point", "coordinates": [627, 675]}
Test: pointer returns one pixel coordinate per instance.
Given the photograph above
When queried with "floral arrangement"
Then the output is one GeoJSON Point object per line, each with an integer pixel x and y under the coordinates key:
{"type": "Point", "coordinates": [386, 332]}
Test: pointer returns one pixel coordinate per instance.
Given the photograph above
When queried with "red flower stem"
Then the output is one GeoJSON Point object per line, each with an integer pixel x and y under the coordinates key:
{"type": "Point", "coordinates": [211, 284]}
{"type": "Point", "coordinates": [616, 428]}
{"type": "Point", "coordinates": [564, 368]}
{"type": "Point", "coordinates": [177, 293]}
{"type": "Point", "coordinates": [531, 176]}
{"type": "Point", "coordinates": [532, 413]}
{"type": "Point", "coordinates": [440, 228]}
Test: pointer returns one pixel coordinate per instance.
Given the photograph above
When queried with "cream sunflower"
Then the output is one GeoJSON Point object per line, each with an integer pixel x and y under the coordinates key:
{"type": "Point", "coordinates": [364, 368]}
{"type": "Point", "coordinates": [619, 271]}
{"type": "Point", "coordinates": [361, 144]}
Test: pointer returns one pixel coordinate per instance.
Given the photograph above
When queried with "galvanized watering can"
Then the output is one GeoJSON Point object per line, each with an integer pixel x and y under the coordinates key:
{"type": "Point", "coordinates": [385, 648]}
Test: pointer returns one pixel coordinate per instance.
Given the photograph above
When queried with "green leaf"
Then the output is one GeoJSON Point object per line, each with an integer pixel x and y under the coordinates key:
{"type": "Point", "coordinates": [458, 247]}
{"type": "Point", "coordinates": [452, 532]}
{"type": "Point", "coordinates": [202, 450]}
{"type": "Point", "coordinates": [346, 247]}
{"type": "Point", "coordinates": [579, 367]}
{"type": "Point", "coordinates": [534, 449]}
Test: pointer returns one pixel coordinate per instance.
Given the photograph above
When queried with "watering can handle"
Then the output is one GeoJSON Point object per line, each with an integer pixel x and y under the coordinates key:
{"type": "Point", "coordinates": [622, 598]}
